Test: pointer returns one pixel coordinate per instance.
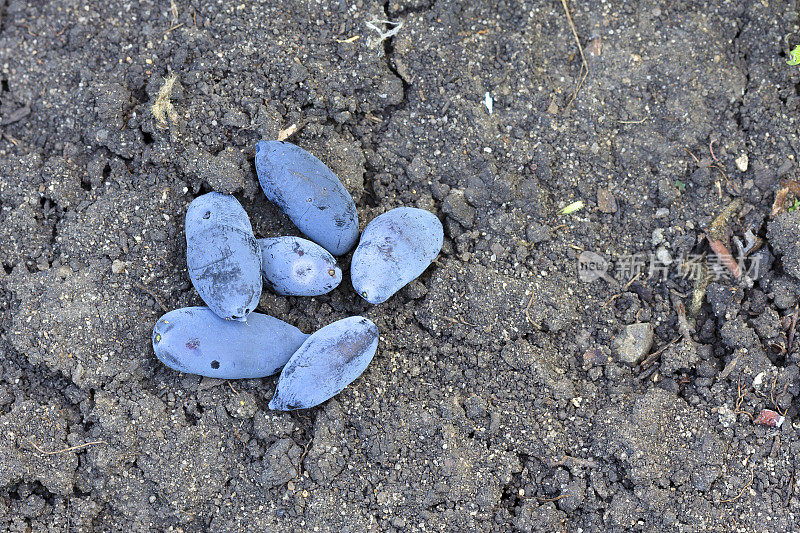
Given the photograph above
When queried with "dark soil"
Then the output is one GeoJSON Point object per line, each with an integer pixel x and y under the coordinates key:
{"type": "Point", "coordinates": [505, 394]}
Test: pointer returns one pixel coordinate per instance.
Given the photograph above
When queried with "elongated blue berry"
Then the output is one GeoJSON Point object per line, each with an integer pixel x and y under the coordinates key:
{"type": "Point", "coordinates": [195, 340]}
{"type": "Point", "coordinates": [309, 193]}
{"type": "Point", "coordinates": [327, 362]}
{"type": "Point", "coordinates": [298, 267]}
{"type": "Point", "coordinates": [223, 256]}
{"type": "Point", "coordinates": [395, 248]}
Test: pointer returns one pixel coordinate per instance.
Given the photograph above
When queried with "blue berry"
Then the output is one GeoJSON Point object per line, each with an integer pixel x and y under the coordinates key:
{"type": "Point", "coordinates": [395, 248]}
{"type": "Point", "coordinates": [309, 193]}
{"type": "Point", "coordinates": [327, 362]}
{"type": "Point", "coordinates": [298, 267]}
{"type": "Point", "coordinates": [195, 340]}
{"type": "Point", "coordinates": [223, 256]}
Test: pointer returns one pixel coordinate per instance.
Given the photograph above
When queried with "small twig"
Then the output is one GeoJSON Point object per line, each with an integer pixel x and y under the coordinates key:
{"type": "Point", "coordinates": [722, 171]}
{"type": "Point", "coordinates": [174, 10]}
{"type": "Point", "coordinates": [584, 65]}
{"type": "Point", "coordinates": [650, 359]}
{"type": "Point", "coordinates": [647, 372]}
{"type": "Point", "coordinates": [611, 299]}
{"type": "Point", "coordinates": [625, 288]}
{"type": "Point", "coordinates": [71, 448]}
{"type": "Point", "coordinates": [633, 121]}
{"type": "Point", "coordinates": [303, 456]}
{"type": "Point", "coordinates": [528, 308]}
{"type": "Point", "coordinates": [739, 399]}
{"type": "Point", "coordinates": [588, 463]}
{"type": "Point", "coordinates": [725, 256]}
{"type": "Point", "coordinates": [683, 324]}
{"type": "Point", "coordinates": [772, 390]}
{"type": "Point", "coordinates": [693, 156]}
{"type": "Point", "coordinates": [460, 321]}
{"type": "Point", "coordinates": [234, 390]}
{"type": "Point", "coordinates": [304, 417]}
{"type": "Point", "coordinates": [632, 280]}
{"type": "Point", "coordinates": [11, 139]}
{"type": "Point", "coordinates": [553, 499]}
{"type": "Point", "coordinates": [752, 477]}
{"type": "Point", "coordinates": [792, 327]}
{"type": "Point", "coordinates": [156, 297]}
{"type": "Point", "coordinates": [173, 28]}
{"type": "Point", "coordinates": [711, 149]}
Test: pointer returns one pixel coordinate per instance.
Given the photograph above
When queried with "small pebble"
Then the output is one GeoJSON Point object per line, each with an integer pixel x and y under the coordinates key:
{"type": "Point", "coordinates": [606, 201]}
{"type": "Point", "coordinates": [657, 237]}
{"type": "Point", "coordinates": [768, 417]}
{"type": "Point", "coordinates": [634, 343]}
{"type": "Point", "coordinates": [117, 267]}
{"type": "Point", "coordinates": [663, 256]}
{"type": "Point", "coordinates": [742, 162]}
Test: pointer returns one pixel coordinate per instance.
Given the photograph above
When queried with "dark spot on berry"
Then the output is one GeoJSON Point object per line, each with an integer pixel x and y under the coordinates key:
{"type": "Point", "coordinates": [215, 364]}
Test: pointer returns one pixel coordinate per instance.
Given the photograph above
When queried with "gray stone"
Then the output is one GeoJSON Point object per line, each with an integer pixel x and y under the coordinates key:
{"type": "Point", "coordinates": [783, 234]}
{"type": "Point", "coordinates": [281, 463]}
{"type": "Point", "coordinates": [456, 207]}
{"type": "Point", "coordinates": [536, 233]}
{"type": "Point", "coordinates": [633, 344]}
{"type": "Point", "coordinates": [475, 407]}
{"type": "Point", "coordinates": [703, 477]}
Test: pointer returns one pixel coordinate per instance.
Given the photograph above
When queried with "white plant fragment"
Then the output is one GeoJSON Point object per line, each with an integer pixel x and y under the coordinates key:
{"type": "Point", "coordinates": [385, 29]}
